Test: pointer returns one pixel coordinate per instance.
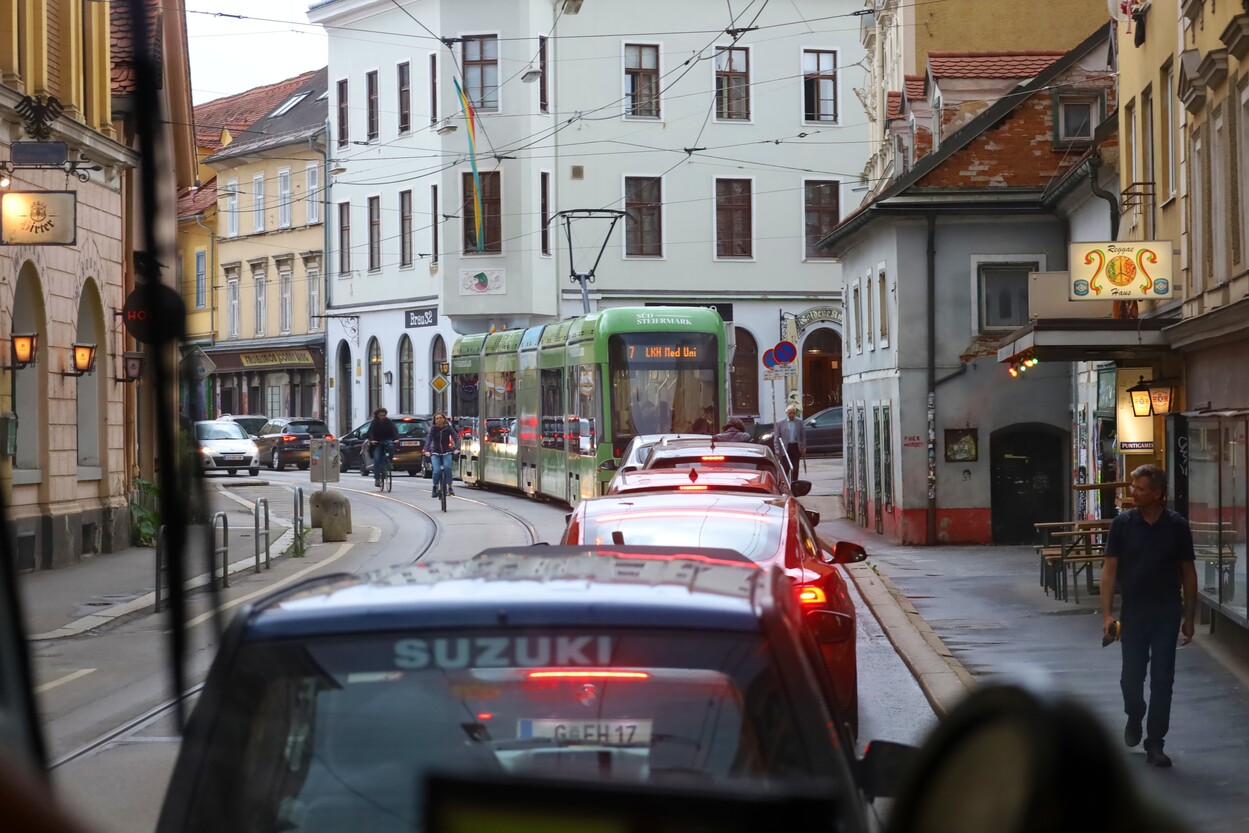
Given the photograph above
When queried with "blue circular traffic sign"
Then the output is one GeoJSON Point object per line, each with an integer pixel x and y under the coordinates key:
{"type": "Point", "coordinates": [785, 352]}
{"type": "Point", "coordinates": [769, 359]}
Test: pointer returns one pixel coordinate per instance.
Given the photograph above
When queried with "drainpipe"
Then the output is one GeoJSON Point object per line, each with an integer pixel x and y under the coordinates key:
{"type": "Point", "coordinates": [930, 536]}
{"type": "Point", "coordinates": [1095, 165]}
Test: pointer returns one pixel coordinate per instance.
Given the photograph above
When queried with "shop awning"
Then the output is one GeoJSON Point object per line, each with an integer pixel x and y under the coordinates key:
{"type": "Point", "coordinates": [1086, 340]}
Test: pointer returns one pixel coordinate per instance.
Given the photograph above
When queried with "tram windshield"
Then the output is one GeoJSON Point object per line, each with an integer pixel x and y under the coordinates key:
{"type": "Point", "coordinates": [662, 382]}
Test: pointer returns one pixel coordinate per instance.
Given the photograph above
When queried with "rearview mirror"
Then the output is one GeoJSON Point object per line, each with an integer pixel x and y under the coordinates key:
{"type": "Point", "coordinates": [829, 626]}
{"type": "Point", "coordinates": [847, 552]}
{"type": "Point", "coordinates": [800, 487]}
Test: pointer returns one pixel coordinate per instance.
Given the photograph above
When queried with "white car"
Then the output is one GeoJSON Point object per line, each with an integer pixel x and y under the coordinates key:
{"type": "Point", "coordinates": [226, 445]}
{"type": "Point", "coordinates": [638, 451]}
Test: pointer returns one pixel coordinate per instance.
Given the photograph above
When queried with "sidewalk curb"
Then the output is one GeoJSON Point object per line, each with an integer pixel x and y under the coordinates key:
{"type": "Point", "coordinates": [940, 675]}
{"type": "Point", "coordinates": [278, 549]}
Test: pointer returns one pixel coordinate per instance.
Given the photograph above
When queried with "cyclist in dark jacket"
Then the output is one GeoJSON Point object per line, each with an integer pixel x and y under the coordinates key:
{"type": "Point", "coordinates": [381, 437]}
{"type": "Point", "coordinates": [440, 445]}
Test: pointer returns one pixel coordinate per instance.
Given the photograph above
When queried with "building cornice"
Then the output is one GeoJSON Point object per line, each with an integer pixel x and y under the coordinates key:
{"type": "Point", "coordinates": [94, 145]}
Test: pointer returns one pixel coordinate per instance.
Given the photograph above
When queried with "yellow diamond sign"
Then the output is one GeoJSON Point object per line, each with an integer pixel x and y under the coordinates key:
{"type": "Point", "coordinates": [439, 383]}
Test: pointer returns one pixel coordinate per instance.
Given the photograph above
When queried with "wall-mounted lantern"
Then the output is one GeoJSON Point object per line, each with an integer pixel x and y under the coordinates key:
{"type": "Point", "coordinates": [1139, 394]}
{"type": "Point", "coordinates": [1160, 398]}
{"type": "Point", "coordinates": [132, 365]}
{"type": "Point", "coordinates": [83, 360]}
{"type": "Point", "coordinates": [22, 350]}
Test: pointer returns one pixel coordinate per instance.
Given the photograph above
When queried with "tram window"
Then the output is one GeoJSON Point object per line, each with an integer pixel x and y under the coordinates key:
{"type": "Point", "coordinates": [465, 394]}
{"type": "Point", "coordinates": [552, 409]}
{"type": "Point", "coordinates": [499, 404]}
{"type": "Point", "coordinates": [661, 382]}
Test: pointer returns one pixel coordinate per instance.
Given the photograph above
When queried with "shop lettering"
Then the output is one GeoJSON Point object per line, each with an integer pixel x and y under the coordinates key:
{"type": "Point", "coordinates": [502, 652]}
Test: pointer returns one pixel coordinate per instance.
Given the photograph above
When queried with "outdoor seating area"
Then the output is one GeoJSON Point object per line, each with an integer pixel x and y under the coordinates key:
{"type": "Point", "coordinates": [1216, 554]}
{"type": "Point", "coordinates": [1074, 547]}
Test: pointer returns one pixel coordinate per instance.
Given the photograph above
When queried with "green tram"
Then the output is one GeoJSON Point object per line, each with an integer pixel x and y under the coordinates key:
{"type": "Point", "coordinates": [541, 420]}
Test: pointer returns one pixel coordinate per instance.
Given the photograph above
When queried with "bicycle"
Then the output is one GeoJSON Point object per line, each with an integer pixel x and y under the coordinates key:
{"type": "Point", "coordinates": [384, 472]}
{"type": "Point", "coordinates": [442, 477]}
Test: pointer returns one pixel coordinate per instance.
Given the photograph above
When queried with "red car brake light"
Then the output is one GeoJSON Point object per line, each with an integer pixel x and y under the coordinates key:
{"type": "Point", "coordinates": [809, 594]}
{"type": "Point", "coordinates": [589, 674]}
{"type": "Point", "coordinates": [691, 488]}
{"type": "Point", "coordinates": [286, 438]}
{"type": "Point", "coordinates": [329, 436]}
{"type": "Point", "coordinates": [713, 458]}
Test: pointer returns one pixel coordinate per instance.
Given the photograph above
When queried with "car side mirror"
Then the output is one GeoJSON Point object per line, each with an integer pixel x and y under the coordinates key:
{"type": "Point", "coordinates": [800, 488]}
{"type": "Point", "coordinates": [567, 518]}
{"type": "Point", "coordinates": [607, 465]}
{"type": "Point", "coordinates": [830, 626]}
{"type": "Point", "coordinates": [847, 552]}
{"type": "Point", "coordinates": [884, 768]}
{"type": "Point", "coordinates": [813, 517]}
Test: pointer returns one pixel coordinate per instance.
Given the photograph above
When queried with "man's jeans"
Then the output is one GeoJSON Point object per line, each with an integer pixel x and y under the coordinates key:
{"type": "Point", "coordinates": [1149, 642]}
{"type": "Point", "coordinates": [379, 449]}
{"type": "Point", "coordinates": [442, 470]}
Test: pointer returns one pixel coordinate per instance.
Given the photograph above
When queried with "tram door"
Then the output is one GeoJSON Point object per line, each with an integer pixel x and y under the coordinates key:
{"type": "Point", "coordinates": [552, 432]}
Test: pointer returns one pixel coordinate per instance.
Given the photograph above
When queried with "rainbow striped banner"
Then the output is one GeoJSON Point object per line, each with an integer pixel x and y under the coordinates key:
{"type": "Point", "coordinates": [471, 117]}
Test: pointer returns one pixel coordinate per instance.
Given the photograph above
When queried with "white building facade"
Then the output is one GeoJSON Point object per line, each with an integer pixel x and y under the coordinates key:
{"type": "Point", "coordinates": [729, 155]}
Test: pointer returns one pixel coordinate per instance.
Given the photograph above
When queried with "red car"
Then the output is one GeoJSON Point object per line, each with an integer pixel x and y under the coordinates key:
{"type": "Point", "coordinates": [767, 530]}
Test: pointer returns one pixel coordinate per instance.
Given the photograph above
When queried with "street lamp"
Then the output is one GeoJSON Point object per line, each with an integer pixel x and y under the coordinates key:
{"type": "Point", "coordinates": [22, 350]}
{"type": "Point", "coordinates": [1139, 394]}
{"type": "Point", "coordinates": [445, 127]}
{"type": "Point", "coordinates": [83, 360]}
{"type": "Point", "coordinates": [132, 364]}
{"type": "Point", "coordinates": [1160, 397]}
{"type": "Point", "coordinates": [530, 74]}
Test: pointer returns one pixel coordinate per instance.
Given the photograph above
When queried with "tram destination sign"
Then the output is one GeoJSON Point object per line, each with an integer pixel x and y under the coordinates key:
{"type": "Point", "coordinates": [664, 352]}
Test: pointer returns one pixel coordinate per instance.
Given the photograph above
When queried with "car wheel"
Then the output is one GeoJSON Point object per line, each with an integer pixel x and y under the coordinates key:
{"type": "Point", "coordinates": [232, 472]}
{"type": "Point", "coordinates": [303, 466]}
{"type": "Point", "coordinates": [364, 468]}
{"type": "Point", "coordinates": [254, 472]}
{"type": "Point", "coordinates": [273, 462]}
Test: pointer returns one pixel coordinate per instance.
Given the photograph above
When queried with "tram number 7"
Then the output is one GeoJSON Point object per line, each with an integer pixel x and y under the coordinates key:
{"type": "Point", "coordinates": [631, 349]}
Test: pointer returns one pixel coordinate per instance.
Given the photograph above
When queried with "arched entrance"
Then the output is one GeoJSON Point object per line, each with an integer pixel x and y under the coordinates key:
{"type": "Point", "coordinates": [1027, 463]}
{"type": "Point", "coordinates": [90, 408]}
{"type": "Point", "coordinates": [437, 362]}
{"type": "Point", "coordinates": [343, 382]}
{"type": "Point", "coordinates": [821, 370]}
{"type": "Point", "coordinates": [29, 385]}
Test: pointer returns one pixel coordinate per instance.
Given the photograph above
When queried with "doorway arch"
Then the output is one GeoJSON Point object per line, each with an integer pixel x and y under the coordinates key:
{"type": "Point", "coordinates": [374, 373]}
{"type": "Point", "coordinates": [30, 389]}
{"type": "Point", "coordinates": [89, 401]}
{"type": "Point", "coordinates": [1028, 479]}
{"type": "Point", "coordinates": [343, 381]}
{"type": "Point", "coordinates": [821, 370]}
{"type": "Point", "coordinates": [745, 378]}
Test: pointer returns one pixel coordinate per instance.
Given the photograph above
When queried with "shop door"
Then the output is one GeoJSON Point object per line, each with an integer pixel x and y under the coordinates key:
{"type": "Point", "coordinates": [1028, 487]}
{"type": "Point", "coordinates": [821, 370]}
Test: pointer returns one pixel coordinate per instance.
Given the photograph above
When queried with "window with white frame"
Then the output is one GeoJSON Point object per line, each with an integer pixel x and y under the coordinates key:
{"type": "Point", "coordinates": [643, 203]}
{"type": "Point", "coordinates": [287, 311]}
{"type": "Point", "coordinates": [732, 83]}
{"type": "Point", "coordinates": [201, 279]}
{"type": "Point", "coordinates": [258, 202]}
{"type": "Point", "coordinates": [734, 221]}
{"type": "Point", "coordinates": [871, 311]}
{"type": "Point", "coordinates": [819, 85]}
{"type": "Point", "coordinates": [882, 305]}
{"type": "Point", "coordinates": [822, 212]}
{"type": "Point", "coordinates": [1220, 189]}
{"type": "Point", "coordinates": [344, 114]}
{"type": "Point", "coordinates": [232, 307]}
{"type": "Point", "coordinates": [372, 112]}
{"type": "Point", "coordinates": [405, 97]}
{"type": "Point", "coordinates": [344, 238]}
{"type": "Point", "coordinates": [405, 228]}
{"type": "Point", "coordinates": [1077, 116]}
{"type": "Point", "coordinates": [375, 233]}
{"type": "Point", "coordinates": [481, 72]}
{"type": "Point", "coordinates": [312, 192]}
{"type": "Point", "coordinates": [858, 319]}
{"type": "Point", "coordinates": [262, 302]}
{"type": "Point", "coordinates": [641, 80]}
{"type": "Point", "coordinates": [1003, 293]}
{"type": "Point", "coordinates": [232, 208]}
{"type": "Point", "coordinates": [314, 298]}
{"type": "Point", "coordinates": [284, 198]}
{"type": "Point", "coordinates": [1197, 203]}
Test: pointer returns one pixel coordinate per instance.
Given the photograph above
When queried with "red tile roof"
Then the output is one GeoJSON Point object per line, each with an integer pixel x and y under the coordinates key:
{"type": "Point", "coordinates": [121, 42]}
{"type": "Point", "coordinates": [240, 111]}
{"type": "Point", "coordinates": [893, 104]}
{"type": "Point", "coordinates": [195, 201]}
{"type": "Point", "coordinates": [990, 64]}
{"type": "Point", "coordinates": [916, 87]}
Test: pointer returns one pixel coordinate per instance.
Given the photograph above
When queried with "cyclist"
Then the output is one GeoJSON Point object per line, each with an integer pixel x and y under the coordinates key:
{"type": "Point", "coordinates": [381, 438]}
{"type": "Point", "coordinates": [440, 446]}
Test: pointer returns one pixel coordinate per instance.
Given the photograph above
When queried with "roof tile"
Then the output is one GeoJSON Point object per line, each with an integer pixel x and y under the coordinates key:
{"type": "Point", "coordinates": [893, 104]}
{"type": "Point", "coordinates": [916, 87]}
{"type": "Point", "coordinates": [240, 111]}
{"type": "Point", "coordinates": [990, 64]}
{"type": "Point", "coordinates": [195, 201]}
{"type": "Point", "coordinates": [121, 42]}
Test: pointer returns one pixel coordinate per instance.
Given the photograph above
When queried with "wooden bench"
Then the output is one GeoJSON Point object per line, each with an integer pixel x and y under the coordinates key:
{"type": "Point", "coordinates": [1074, 544]}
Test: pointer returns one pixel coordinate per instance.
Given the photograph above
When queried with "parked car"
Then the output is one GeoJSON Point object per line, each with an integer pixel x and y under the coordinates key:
{"type": "Point", "coordinates": [225, 446]}
{"type": "Point", "coordinates": [283, 441]}
{"type": "Point", "coordinates": [651, 666]}
{"type": "Point", "coordinates": [252, 423]}
{"type": "Point", "coordinates": [770, 530]}
{"type": "Point", "coordinates": [823, 431]}
{"type": "Point", "coordinates": [409, 448]}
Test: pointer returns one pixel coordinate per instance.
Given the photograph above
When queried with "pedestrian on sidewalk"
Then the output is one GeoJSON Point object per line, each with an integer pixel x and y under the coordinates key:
{"type": "Point", "coordinates": [734, 432]}
{"type": "Point", "coordinates": [789, 441]}
{"type": "Point", "coordinates": [382, 435]}
{"type": "Point", "coordinates": [1149, 550]}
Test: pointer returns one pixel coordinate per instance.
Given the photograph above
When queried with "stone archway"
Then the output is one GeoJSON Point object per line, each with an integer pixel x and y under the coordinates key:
{"type": "Point", "coordinates": [821, 369]}
{"type": "Point", "coordinates": [29, 385]}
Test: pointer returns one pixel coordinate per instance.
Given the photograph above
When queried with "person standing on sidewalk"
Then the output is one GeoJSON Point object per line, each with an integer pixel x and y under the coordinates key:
{"type": "Point", "coordinates": [382, 435]}
{"type": "Point", "coordinates": [1149, 550]}
{"type": "Point", "coordinates": [789, 441]}
{"type": "Point", "coordinates": [440, 447]}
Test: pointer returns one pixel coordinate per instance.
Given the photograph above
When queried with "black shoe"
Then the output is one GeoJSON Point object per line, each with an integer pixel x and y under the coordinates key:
{"type": "Point", "coordinates": [451, 492]}
{"type": "Point", "coordinates": [1154, 756]}
{"type": "Point", "coordinates": [1132, 733]}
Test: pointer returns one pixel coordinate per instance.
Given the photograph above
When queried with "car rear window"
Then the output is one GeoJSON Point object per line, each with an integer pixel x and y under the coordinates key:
{"type": "Point", "coordinates": [308, 427]}
{"type": "Point", "coordinates": [712, 461]}
{"type": "Point", "coordinates": [251, 425]}
{"type": "Point", "coordinates": [220, 431]}
{"type": "Point", "coordinates": [412, 427]}
{"type": "Point", "coordinates": [754, 532]}
{"type": "Point", "coordinates": [336, 734]}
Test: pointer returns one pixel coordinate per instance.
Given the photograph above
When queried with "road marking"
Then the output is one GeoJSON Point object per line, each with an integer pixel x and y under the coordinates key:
{"type": "Point", "coordinates": [68, 678]}
{"type": "Point", "coordinates": [269, 588]}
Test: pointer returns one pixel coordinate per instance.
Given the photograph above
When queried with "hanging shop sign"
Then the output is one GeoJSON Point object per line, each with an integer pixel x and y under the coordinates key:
{"type": "Point", "coordinates": [1126, 270]}
{"type": "Point", "coordinates": [278, 358]}
{"type": "Point", "coordinates": [813, 315]}
{"type": "Point", "coordinates": [38, 218]}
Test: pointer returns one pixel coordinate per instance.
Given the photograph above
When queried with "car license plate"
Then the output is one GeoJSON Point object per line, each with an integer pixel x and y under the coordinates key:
{"type": "Point", "coordinates": [598, 732]}
{"type": "Point", "coordinates": [410, 443]}
{"type": "Point", "coordinates": [235, 458]}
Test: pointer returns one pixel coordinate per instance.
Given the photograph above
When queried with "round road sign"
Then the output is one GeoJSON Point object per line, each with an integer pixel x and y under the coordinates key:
{"type": "Point", "coordinates": [785, 352]}
{"type": "Point", "coordinates": [769, 359]}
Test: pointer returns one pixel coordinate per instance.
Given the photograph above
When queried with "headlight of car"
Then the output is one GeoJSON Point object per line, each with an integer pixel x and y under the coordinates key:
{"type": "Point", "coordinates": [206, 451]}
{"type": "Point", "coordinates": [252, 449]}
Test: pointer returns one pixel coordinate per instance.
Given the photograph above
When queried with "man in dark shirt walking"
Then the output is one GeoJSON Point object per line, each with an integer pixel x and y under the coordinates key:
{"type": "Point", "coordinates": [1149, 550]}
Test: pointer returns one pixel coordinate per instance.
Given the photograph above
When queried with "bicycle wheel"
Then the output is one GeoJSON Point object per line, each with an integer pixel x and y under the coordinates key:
{"type": "Point", "coordinates": [390, 475]}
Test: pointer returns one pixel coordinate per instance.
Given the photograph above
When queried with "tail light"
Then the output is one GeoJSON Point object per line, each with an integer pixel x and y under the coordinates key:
{"type": "Point", "coordinates": [588, 674]}
{"type": "Point", "coordinates": [329, 436]}
{"type": "Point", "coordinates": [289, 438]}
{"type": "Point", "coordinates": [691, 488]}
{"type": "Point", "coordinates": [810, 595]}
{"type": "Point", "coordinates": [713, 458]}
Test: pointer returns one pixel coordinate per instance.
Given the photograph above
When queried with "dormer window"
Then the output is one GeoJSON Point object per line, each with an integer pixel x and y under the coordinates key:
{"type": "Point", "coordinates": [289, 104]}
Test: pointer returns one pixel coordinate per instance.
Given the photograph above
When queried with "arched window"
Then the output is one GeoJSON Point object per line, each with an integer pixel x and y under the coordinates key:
{"type": "Point", "coordinates": [29, 392]}
{"type": "Point", "coordinates": [745, 375]}
{"type": "Point", "coordinates": [407, 384]}
{"type": "Point", "coordinates": [375, 376]}
{"type": "Point", "coordinates": [88, 399]}
{"type": "Point", "coordinates": [343, 383]}
{"type": "Point", "coordinates": [438, 358]}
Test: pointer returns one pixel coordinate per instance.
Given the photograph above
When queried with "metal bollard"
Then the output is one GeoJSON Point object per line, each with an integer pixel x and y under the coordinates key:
{"type": "Point", "coordinates": [160, 563]}
{"type": "Point", "coordinates": [299, 520]}
{"type": "Point", "coordinates": [256, 516]}
{"type": "Point", "coordinates": [224, 549]}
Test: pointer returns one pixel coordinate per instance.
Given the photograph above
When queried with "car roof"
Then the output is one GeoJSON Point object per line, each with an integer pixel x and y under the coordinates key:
{"type": "Point", "coordinates": [531, 587]}
{"type": "Point", "coordinates": [711, 479]}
